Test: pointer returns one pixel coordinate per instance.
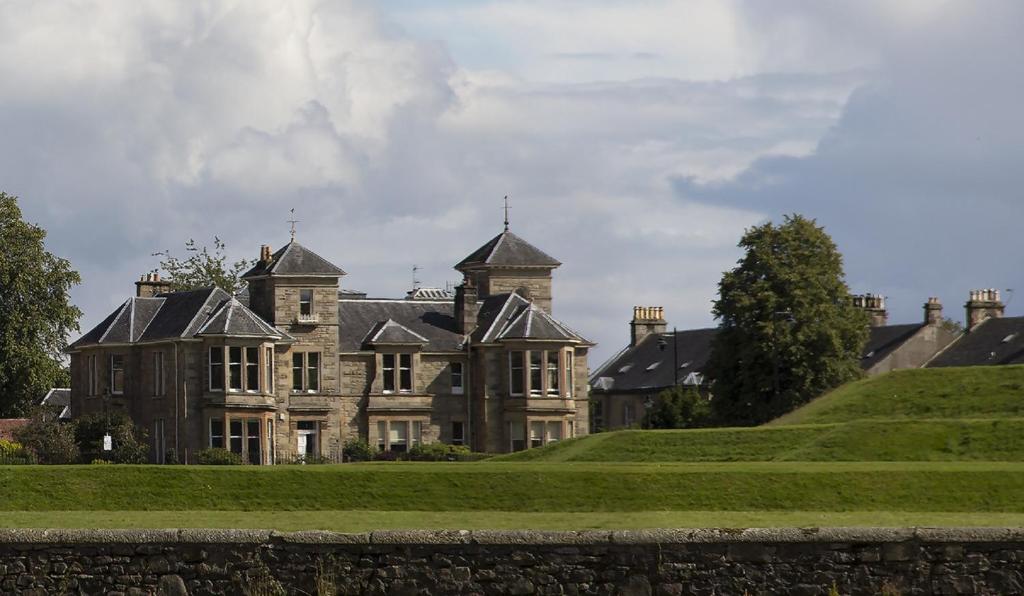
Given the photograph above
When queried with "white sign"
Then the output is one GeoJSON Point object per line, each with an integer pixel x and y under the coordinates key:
{"type": "Point", "coordinates": [108, 443]}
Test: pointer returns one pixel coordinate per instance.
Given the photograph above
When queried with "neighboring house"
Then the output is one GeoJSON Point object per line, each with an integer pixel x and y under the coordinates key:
{"type": "Point", "coordinates": [623, 388]}
{"type": "Point", "coordinates": [59, 401]}
{"type": "Point", "coordinates": [295, 366]}
{"type": "Point", "coordinates": [991, 339]}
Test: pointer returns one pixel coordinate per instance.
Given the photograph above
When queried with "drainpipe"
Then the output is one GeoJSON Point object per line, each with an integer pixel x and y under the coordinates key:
{"type": "Point", "coordinates": [469, 394]}
{"type": "Point", "coordinates": [176, 434]}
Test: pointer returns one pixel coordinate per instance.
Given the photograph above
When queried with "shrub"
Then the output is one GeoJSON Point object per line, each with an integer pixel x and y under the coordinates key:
{"type": "Point", "coordinates": [386, 456]}
{"type": "Point", "coordinates": [47, 439]}
{"type": "Point", "coordinates": [129, 445]}
{"type": "Point", "coordinates": [13, 453]}
{"type": "Point", "coordinates": [217, 456]}
{"type": "Point", "coordinates": [678, 407]}
{"type": "Point", "coordinates": [358, 450]}
{"type": "Point", "coordinates": [438, 452]}
{"type": "Point", "coordinates": [100, 462]}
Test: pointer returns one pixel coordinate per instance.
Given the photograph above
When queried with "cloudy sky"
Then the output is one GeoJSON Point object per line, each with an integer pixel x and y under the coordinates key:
{"type": "Point", "coordinates": [636, 139]}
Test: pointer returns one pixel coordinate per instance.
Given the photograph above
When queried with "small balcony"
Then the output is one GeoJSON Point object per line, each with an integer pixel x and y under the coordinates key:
{"type": "Point", "coordinates": [305, 319]}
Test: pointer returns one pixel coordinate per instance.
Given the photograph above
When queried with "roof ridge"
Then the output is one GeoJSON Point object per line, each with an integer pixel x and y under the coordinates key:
{"type": "Point", "coordinates": [494, 249]}
{"type": "Point", "coordinates": [162, 300]}
{"type": "Point", "coordinates": [106, 332]}
{"type": "Point", "coordinates": [212, 291]}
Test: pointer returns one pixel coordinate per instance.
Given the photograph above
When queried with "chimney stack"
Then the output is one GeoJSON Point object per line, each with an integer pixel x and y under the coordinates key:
{"type": "Point", "coordinates": [150, 285]}
{"type": "Point", "coordinates": [982, 305]}
{"type": "Point", "coordinates": [466, 305]}
{"type": "Point", "coordinates": [647, 320]}
{"type": "Point", "coordinates": [265, 254]}
{"type": "Point", "coordinates": [932, 311]}
{"type": "Point", "coordinates": [874, 305]}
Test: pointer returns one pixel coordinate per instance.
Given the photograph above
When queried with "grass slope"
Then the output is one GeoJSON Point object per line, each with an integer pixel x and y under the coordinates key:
{"type": "Point", "coordinates": [531, 487]}
{"type": "Point", "coordinates": [954, 414]}
{"type": "Point", "coordinates": [969, 392]}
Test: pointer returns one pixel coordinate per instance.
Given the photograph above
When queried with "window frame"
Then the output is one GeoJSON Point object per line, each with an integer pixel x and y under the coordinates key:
{"type": "Point", "coordinates": [515, 377]}
{"type": "Point", "coordinates": [570, 362]}
{"type": "Point", "coordinates": [552, 374]}
{"type": "Point", "coordinates": [213, 435]}
{"type": "Point", "coordinates": [114, 390]}
{"type": "Point", "coordinates": [234, 367]}
{"type": "Point", "coordinates": [222, 380]}
{"type": "Point", "coordinates": [93, 374]}
{"type": "Point", "coordinates": [459, 387]}
{"type": "Point", "coordinates": [305, 304]}
{"type": "Point", "coordinates": [304, 369]}
{"type": "Point", "coordinates": [405, 378]}
{"type": "Point", "coordinates": [388, 364]}
{"type": "Point", "coordinates": [159, 377]}
{"type": "Point", "coordinates": [247, 366]}
{"type": "Point", "coordinates": [536, 370]}
{"type": "Point", "coordinates": [460, 437]}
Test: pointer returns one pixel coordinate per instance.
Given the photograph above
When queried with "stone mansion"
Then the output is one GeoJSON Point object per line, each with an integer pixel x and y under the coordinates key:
{"type": "Point", "coordinates": [296, 366]}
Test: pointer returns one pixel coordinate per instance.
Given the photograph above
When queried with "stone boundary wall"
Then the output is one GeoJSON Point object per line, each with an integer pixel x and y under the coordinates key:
{"type": "Point", "coordinates": [753, 561]}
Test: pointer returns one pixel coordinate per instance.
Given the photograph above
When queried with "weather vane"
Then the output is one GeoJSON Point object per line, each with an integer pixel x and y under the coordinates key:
{"type": "Point", "coordinates": [506, 213]}
{"type": "Point", "coordinates": [293, 221]}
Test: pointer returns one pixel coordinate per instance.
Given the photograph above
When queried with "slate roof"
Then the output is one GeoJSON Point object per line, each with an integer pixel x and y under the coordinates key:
{"type": "Point", "coordinates": [996, 341]}
{"type": "Point", "coordinates": [433, 321]}
{"type": "Point", "coordinates": [295, 260]}
{"type": "Point", "coordinates": [177, 315]}
{"type": "Point", "coordinates": [646, 367]}
{"type": "Point", "coordinates": [510, 316]}
{"type": "Point", "coordinates": [883, 340]}
{"type": "Point", "coordinates": [234, 319]}
{"type": "Point", "coordinates": [508, 250]}
{"type": "Point", "coordinates": [58, 398]}
{"type": "Point", "coordinates": [392, 332]}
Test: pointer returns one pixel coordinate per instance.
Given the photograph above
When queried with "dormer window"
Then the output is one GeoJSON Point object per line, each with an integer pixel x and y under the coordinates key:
{"type": "Point", "coordinates": [306, 305]}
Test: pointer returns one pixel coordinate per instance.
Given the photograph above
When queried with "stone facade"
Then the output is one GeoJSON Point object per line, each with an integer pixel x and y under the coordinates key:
{"type": "Point", "coordinates": [285, 387]}
{"type": "Point", "coordinates": [644, 562]}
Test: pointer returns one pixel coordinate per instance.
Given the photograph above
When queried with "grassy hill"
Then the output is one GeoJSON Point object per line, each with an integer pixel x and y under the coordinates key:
{"type": "Point", "coordinates": [953, 414]}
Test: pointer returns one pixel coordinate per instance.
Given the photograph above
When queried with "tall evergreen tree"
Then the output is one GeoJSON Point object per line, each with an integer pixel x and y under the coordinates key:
{"type": "Point", "coordinates": [36, 315]}
{"type": "Point", "coordinates": [788, 329]}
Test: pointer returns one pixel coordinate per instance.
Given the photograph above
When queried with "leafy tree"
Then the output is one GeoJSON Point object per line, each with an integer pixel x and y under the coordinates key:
{"type": "Point", "coordinates": [203, 268]}
{"type": "Point", "coordinates": [36, 315]}
{"type": "Point", "coordinates": [678, 407]}
{"type": "Point", "coordinates": [788, 329]}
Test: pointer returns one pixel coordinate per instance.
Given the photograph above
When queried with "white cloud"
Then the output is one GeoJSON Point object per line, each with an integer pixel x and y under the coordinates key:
{"type": "Point", "coordinates": [131, 127]}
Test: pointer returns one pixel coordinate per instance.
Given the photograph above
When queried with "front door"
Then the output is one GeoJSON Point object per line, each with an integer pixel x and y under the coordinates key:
{"type": "Point", "coordinates": [303, 442]}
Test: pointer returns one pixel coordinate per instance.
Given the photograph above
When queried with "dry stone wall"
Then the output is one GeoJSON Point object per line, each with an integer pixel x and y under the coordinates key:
{"type": "Point", "coordinates": [849, 561]}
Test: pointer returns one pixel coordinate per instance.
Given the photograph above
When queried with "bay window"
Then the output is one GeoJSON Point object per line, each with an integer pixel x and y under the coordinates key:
{"type": "Point", "coordinates": [237, 368]}
{"type": "Point", "coordinates": [235, 428]}
{"type": "Point", "coordinates": [216, 433]}
{"type": "Point", "coordinates": [405, 373]}
{"type": "Point", "coordinates": [268, 363]}
{"type": "Point", "coordinates": [252, 370]}
{"type": "Point", "coordinates": [234, 368]}
{"type": "Point", "coordinates": [553, 375]}
{"type": "Point", "coordinates": [535, 371]}
{"type": "Point", "coordinates": [569, 363]}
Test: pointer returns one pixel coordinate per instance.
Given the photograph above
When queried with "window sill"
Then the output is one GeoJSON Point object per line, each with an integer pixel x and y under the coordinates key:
{"type": "Point", "coordinates": [457, 391]}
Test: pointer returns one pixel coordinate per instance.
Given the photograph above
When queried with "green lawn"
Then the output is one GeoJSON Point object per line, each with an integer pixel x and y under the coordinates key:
{"type": "Point", "coordinates": [365, 521]}
{"type": "Point", "coordinates": [525, 487]}
{"type": "Point", "coordinates": [919, 447]}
